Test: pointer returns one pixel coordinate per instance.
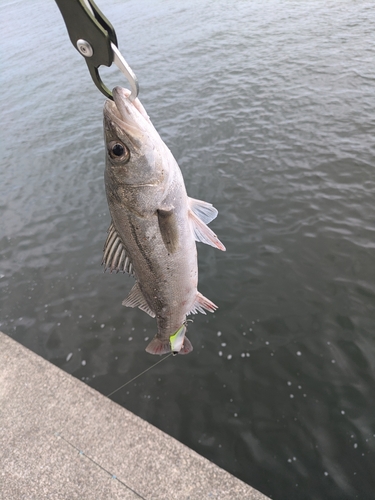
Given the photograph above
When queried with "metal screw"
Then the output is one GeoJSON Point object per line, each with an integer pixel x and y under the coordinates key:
{"type": "Point", "coordinates": [85, 48]}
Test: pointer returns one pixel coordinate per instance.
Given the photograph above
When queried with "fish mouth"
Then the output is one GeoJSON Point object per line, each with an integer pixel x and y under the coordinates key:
{"type": "Point", "coordinates": [123, 117]}
{"type": "Point", "coordinates": [112, 114]}
{"type": "Point", "coordinates": [126, 113]}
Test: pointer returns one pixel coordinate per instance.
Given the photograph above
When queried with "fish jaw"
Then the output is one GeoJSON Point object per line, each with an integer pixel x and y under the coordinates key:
{"type": "Point", "coordinates": [124, 105]}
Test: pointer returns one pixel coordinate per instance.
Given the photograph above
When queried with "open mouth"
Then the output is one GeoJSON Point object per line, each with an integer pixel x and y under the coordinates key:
{"type": "Point", "coordinates": [127, 107]}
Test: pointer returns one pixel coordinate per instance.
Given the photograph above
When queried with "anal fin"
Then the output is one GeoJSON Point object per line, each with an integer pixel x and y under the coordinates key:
{"type": "Point", "coordinates": [137, 299]}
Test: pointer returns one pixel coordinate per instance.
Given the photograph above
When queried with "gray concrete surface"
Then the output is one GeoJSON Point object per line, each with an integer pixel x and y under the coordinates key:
{"type": "Point", "coordinates": [60, 439]}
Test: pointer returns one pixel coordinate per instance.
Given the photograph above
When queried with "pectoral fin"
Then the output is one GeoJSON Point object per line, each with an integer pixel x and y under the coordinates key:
{"type": "Point", "coordinates": [203, 233]}
{"type": "Point", "coordinates": [115, 257]}
{"type": "Point", "coordinates": [137, 299]}
{"type": "Point", "coordinates": [168, 228]}
{"type": "Point", "coordinates": [205, 211]}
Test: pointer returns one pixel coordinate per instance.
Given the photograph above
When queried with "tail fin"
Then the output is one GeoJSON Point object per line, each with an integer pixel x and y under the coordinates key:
{"type": "Point", "coordinates": [187, 347]}
{"type": "Point", "coordinates": [157, 346]}
{"type": "Point", "coordinates": [177, 343]}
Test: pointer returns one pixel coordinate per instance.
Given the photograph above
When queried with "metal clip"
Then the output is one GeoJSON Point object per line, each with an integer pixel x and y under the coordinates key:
{"type": "Point", "coordinates": [94, 37]}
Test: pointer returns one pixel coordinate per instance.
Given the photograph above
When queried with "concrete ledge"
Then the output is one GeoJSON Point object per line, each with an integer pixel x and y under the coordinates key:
{"type": "Point", "coordinates": [60, 439]}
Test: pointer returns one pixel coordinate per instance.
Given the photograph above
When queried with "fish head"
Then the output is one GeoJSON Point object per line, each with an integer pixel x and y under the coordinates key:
{"type": "Point", "coordinates": [136, 155]}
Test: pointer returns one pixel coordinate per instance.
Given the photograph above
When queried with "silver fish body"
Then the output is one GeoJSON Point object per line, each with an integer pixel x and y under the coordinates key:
{"type": "Point", "coordinates": [154, 223]}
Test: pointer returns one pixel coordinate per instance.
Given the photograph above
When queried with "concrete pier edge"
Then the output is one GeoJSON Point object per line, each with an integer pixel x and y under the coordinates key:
{"type": "Point", "coordinates": [60, 439]}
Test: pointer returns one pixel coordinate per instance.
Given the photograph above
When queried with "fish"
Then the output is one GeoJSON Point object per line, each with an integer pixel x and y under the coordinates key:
{"type": "Point", "coordinates": [154, 224]}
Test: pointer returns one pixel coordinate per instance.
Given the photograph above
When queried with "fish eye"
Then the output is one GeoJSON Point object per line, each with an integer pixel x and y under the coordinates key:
{"type": "Point", "coordinates": [118, 151]}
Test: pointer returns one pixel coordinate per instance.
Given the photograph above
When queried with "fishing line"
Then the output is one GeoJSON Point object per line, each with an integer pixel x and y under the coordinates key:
{"type": "Point", "coordinates": [58, 434]}
{"type": "Point", "coordinates": [113, 476]}
{"type": "Point", "coordinates": [144, 371]}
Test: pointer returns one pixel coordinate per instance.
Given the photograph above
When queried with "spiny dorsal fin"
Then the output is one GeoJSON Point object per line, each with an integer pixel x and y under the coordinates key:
{"type": "Point", "coordinates": [205, 211]}
{"type": "Point", "coordinates": [202, 304]}
{"type": "Point", "coordinates": [115, 257]}
{"type": "Point", "coordinates": [137, 299]}
{"type": "Point", "coordinates": [203, 233]}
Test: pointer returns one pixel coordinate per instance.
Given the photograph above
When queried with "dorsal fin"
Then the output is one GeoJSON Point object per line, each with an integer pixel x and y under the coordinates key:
{"type": "Point", "coordinates": [137, 299]}
{"type": "Point", "coordinates": [115, 257]}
